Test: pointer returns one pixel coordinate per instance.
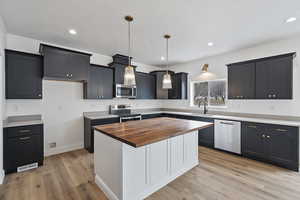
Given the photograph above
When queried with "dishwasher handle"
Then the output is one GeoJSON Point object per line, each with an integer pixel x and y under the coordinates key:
{"type": "Point", "coordinates": [228, 123]}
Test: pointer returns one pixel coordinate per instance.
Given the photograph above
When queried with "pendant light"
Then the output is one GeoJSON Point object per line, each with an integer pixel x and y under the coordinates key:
{"type": "Point", "coordinates": [167, 83]}
{"type": "Point", "coordinates": [129, 76]}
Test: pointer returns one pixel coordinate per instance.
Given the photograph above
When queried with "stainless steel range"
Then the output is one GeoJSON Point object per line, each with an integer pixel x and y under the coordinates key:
{"type": "Point", "coordinates": [124, 111]}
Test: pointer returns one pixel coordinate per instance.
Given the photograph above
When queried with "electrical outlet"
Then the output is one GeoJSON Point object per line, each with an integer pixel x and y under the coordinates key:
{"type": "Point", "coordinates": [52, 145]}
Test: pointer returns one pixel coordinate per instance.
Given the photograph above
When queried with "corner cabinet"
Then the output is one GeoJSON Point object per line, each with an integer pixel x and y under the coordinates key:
{"type": "Point", "coordinates": [64, 64]}
{"type": "Point", "coordinates": [265, 78]}
{"type": "Point", "coordinates": [275, 144]}
{"type": "Point", "coordinates": [100, 83]}
{"type": "Point", "coordinates": [23, 72]}
{"type": "Point", "coordinates": [179, 86]}
{"type": "Point", "coordinates": [145, 84]}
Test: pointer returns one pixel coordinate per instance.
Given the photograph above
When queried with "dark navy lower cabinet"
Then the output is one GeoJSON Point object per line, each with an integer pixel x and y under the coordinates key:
{"type": "Point", "coordinates": [89, 130]}
{"type": "Point", "coordinates": [22, 146]}
{"type": "Point", "coordinates": [275, 144]}
{"type": "Point", "coordinates": [206, 137]}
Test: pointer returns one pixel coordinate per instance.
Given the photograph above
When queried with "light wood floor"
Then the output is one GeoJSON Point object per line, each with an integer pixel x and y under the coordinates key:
{"type": "Point", "coordinates": [219, 176]}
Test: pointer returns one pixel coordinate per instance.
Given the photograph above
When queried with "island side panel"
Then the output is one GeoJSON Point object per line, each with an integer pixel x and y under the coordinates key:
{"type": "Point", "coordinates": [108, 165]}
{"type": "Point", "coordinates": [149, 168]}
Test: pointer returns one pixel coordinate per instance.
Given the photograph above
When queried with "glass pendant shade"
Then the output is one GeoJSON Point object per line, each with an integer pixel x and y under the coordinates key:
{"type": "Point", "coordinates": [129, 76]}
{"type": "Point", "coordinates": [167, 83]}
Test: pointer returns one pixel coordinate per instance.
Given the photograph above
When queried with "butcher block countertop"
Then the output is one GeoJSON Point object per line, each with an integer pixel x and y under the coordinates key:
{"type": "Point", "coordinates": [140, 133]}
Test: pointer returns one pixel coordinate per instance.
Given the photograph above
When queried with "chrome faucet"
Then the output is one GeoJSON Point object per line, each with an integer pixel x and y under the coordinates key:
{"type": "Point", "coordinates": [205, 103]}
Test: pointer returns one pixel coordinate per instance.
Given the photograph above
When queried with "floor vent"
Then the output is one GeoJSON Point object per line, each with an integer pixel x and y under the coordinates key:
{"type": "Point", "coordinates": [27, 167]}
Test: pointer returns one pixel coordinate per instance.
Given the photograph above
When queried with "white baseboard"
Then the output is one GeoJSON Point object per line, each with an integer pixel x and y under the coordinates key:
{"type": "Point", "coordinates": [107, 191]}
{"type": "Point", "coordinates": [63, 149]}
{"type": "Point", "coordinates": [2, 175]}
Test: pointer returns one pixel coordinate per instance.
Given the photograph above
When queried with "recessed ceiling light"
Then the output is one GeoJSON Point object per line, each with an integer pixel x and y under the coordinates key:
{"type": "Point", "coordinates": [291, 19]}
{"type": "Point", "coordinates": [210, 44]}
{"type": "Point", "coordinates": [162, 58]}
{"type": "Point", "coordinates": [72, 31]}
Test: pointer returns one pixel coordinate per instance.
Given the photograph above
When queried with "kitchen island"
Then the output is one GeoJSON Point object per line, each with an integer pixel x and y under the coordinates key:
{"type": "Point", "coordinates": [136, 158]}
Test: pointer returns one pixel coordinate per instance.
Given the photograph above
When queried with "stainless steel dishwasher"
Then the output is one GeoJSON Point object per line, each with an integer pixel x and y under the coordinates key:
{"type": "Point", "coordinates": [228, 136]}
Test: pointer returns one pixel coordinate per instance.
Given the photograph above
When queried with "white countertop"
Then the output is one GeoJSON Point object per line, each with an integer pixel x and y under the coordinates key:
{"type": "Point", "coordinates": [222, 117]}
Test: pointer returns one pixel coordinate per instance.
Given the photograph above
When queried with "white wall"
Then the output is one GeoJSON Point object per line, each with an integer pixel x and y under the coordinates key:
{"type": "Point", "coordinates": [62, 104]}
{"type": "Point", "coordinates": [217, 65]}
{"type": "Point", "coordinates": [2, 102]}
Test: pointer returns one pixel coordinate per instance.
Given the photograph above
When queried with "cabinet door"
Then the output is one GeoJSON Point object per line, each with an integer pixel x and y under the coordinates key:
{"type": "Point", "coordinates": [206, 136]}
{"type": "Point", "coordinates": [119, 73]}
{"type": "Point", "coordinates": [99, 84]}
{"type": "Point", "coordinates": [253, 140]}
{"type": "Point", "coordinates": [174, 93]}
{"type": "Point", "coordinates": [63, 64]}
{"type": "Point", "coordinates": [23, 75]}
{"type": "Point", "coordinates": [274, 78]}
{"type": "Point", "coordinates": [78, 66]}
{"type": "Point", "coordinates": [91, 87]}
{"type": "Point", "coordinates": [106, 83]}
{"type": "Point", "coordinates": [23, 150]}
{"type": "Point", "coordinates": [241, 81]}
{"type": "Point", "coordinates": [160, 92]}
{"type": "Point", "coordinates": [283, 145]}
{"type": "Point", "coordinates": [145, 84]}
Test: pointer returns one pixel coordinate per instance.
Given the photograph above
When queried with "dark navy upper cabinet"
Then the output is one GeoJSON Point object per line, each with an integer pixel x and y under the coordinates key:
{"type": "Point", "coordinates": [179, 86]}
{"type": "Point", "coordinates": [119, 71]}
{"type": "Point", "coordinates": [264, 78]}
{"type": "Point", "coordinates": [274, 78]}
{"type": "Point", "coordinates": [64, 64]}
{"type": "Point", "coordinates": [145, 84]}
{"type": "Point", "coordinates": [241, 81]}
{"type": "Point", "coordinates": [100, 83]}
{"type": "Point", "coordinates": [23, 73]}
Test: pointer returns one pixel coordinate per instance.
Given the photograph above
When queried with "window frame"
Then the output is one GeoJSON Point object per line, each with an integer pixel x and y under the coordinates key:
{"type": "Point", "coordinates": [202, 81]}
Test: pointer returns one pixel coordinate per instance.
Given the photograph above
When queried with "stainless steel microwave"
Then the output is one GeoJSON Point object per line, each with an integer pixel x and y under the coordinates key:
{"type": "Point", "coordinates": [123, 91]}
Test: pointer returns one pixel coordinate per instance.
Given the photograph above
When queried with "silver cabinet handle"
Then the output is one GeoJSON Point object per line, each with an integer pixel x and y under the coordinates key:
{"type": "Point", "coordinates": [281, 130]}
{"type": "Point", "coordinates": [263, 135]}
{"type": "Point", "coordinates": [227, 123]}
{"type": "Point", "coordinates": [252, 127]}
{"type": "Point", "coordinates": [24, 138]}
{"type": "Point", "coordinates": [268, 136]}
{"type": "Point", "coordinates": [24, 131]}
{"type": "Point", "coordinates": [39, 95]}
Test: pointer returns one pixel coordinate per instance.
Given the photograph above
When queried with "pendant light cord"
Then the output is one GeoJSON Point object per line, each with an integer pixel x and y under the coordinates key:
{"type": "Point", "coordinates": [167, 55]}
{"type": "Point", "coordinates": [129, 44]}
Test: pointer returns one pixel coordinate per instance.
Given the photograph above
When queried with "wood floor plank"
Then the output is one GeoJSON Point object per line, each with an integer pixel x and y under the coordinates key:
{"type": "Point", "coordinates": [219, 176]}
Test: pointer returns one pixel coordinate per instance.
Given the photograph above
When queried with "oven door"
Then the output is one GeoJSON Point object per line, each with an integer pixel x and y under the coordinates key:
{"type": "Point", "coordinates": [125, 91]}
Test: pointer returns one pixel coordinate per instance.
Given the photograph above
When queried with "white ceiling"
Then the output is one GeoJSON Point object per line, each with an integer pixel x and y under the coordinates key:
{"type": "Point", "coordinates": [230, 24]}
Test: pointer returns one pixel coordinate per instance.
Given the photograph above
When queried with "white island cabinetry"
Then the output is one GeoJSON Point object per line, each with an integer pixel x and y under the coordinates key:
{"type": "Point", "coordinates": [124, 172]}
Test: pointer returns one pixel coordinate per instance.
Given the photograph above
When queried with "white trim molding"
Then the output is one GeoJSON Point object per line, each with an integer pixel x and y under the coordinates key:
{"type": "Point", "coordinates": [62, 149]}
{"type": "Point", "coordinates": [2, 176]}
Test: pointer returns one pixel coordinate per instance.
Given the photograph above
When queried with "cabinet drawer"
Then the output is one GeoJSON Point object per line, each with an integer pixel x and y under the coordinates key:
{"type": "Point", "coordinates": [23, 131]}
{"type": "Point", "coordinates": [105, 121]}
